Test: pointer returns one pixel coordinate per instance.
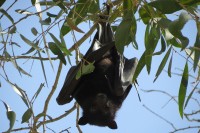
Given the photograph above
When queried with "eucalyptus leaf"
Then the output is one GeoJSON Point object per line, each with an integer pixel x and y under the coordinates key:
{"type": "Point", "coordinates": [79, 13]}
{"type": "Point", "coordinates": [47, 21]}
{"type": "Point", "coordinates": [166, 6]}
{"type": "Point", "coordinates": [170, 66]}
{"type": "Point", "coordinates": [162, 64]}
{"type": "Point", "coordinates": [27, 115]}
{"type": "Point", "coordinates": [34, 31]}
{"type": "Point", "coordinates": [30, 43]}
{"type": "Point", "coordinates": [54, 48]}
{"type": "Point", "coordinates": [10, 115]}
{"type": "Point", "coordinates": [85, 69]}
{"type": "Point", "coordinates": [139, 67]}
{"type": "Point", "coordinates": [7, 15]}
{"type": "Point", "coordinates": [61, 46]}
{"type": "Point", "coordinates": [183, 89]}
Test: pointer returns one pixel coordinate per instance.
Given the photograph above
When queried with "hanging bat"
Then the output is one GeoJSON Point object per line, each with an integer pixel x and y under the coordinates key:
{"type": "Point", "coordinates": [101, 92]}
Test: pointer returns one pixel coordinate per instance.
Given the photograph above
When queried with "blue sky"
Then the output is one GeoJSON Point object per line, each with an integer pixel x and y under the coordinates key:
{"type": "Point", "coordinates": [132, 117]}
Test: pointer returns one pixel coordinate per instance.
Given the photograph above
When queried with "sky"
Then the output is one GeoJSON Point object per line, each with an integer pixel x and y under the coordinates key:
{"type": "Point", "coordinates": [132, 117]}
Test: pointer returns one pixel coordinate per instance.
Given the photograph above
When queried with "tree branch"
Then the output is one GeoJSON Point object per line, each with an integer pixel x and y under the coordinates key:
{"type": "Point", "coordinates": [59, 117]}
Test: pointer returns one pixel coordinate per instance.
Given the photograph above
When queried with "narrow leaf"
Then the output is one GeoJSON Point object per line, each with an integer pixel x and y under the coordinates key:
{"type": "Point", "coordinates": [60, 45]}
{"type": "Point", "coordinates": [151, 41]}
{"type": "Point", "coordinates": [43, 70]}
{"type": "Point", "coordinates": [197, 52]}
{"type": "Point", "coordinates": [163, 47]}
{"type": "Point", "coordinates": [23, 12]}
{"type": "Point", "coordinates": [139, 67]}
{"type": "Point", "coordinates": [79, 12]}
{"type": "Point", "coordinates": [85, 69]}
{"type": "Point", "coordinates": [47, 21]}
{"type": "Point", "coordinates": [162, 64]}
{"type": "Point", "coordinates": [27, 115]}
{"type": "Point", "coordinates": [16, 65]}
{"type": "Point", "coordinates": [39, 89]}
{"type": "Point", "coordinates": [7, 15]}
{"type": "Point", "coordinates": [21, 93]}
{"type": "Point", "coordinates": [166, 6]}
{"type": "Point", "coordinates": [51, 15]}
{"type": "Point", "coordinates": [10, 115]}
{"type": "Point", "coordinates": [170, 66]}
{"type": "Point", "coordinates": [30, 43]}
{"type": "Point", "coordinates": [53, 47]}
{"type": "Point", "coordinates": [71, 24]}
{"type": "Point", "coordinates": [182, 90]}
{"type": "Point", "coordinates": [64, 44]}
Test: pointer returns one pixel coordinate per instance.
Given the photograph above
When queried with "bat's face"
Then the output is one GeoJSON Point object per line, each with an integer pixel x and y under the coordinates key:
{"type": "Point", "coordinates": [101, 112]}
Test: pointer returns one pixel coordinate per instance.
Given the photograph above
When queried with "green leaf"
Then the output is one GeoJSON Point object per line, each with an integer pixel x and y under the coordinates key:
{"type": "Point", "coordinates": [1, 2]}
{"type": "Point", "coordinates": [71, 24]}
{"type": "Point", "coordinates": [27, 115]}
{"type": "Point", "coordinates": [145, 13]}
{"type": "Point", "coordinates": [54, 48]}
{"type": "Point", "coordinates": [10, 115]}
{"type": "Point", "coordinates": [64, 44]}
{"type": "Point", "coordinates": [151, 40]}
{"type": "Point", "coordinates": [37, 92]}
{"type": "Point", "coordinates": [47, 21]}
{"type": "Point", "coordinates": [51, 15]}
{"type": "Point", "coordinates": [139, 67]}
{"type": "Point", "coordinates": [13, 30]}
{"type": "Point", "coordinates": [190, 2]}
{"type": "Point", "coordinates": [7, 55]}
{"type": "Point", "coordinates": [162, 64]}
{"type": "Point", "coordinates": [126, 31]}
{"type": "Point", "coordinates": [23, 12]}
{"type": "Point", "coordinates": [61, 4]}
{"type": "Point", "coordinates": [191, 54]}
{"type": "Point", "coordinates": [43, 70]}
{"type": "Point", "coordinates": [34, 31]}
{"type": "Point", "coordinates": [7, 15]}
{"type": "Point", "coordinates": [170, 66]}
{"type": "Point", "coordinates": [166, 6]}
{"type": "Point", "coordinates": [30, 43]}
{"type": "Point", "coordinates": [197, 52]}
{"type": "Point", "coordinates": [79, 12]}
{"type": "Point", "coordinates": [21, 93]}
{"type": "Point", "coordinates": [183, 89]}
{"type": "Point", "coordinates": [85, 69]}
{"type": "Point", "coordinates": [59, 14]}
{"type": "Point", "coordinates": [60, 45]}
{"type": "Point", "coordinates": [31, 49]}
{"type": "Point", "coordinates": [163, 46]}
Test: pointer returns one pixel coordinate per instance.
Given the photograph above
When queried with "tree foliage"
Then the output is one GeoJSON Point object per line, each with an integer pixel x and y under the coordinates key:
{"type": "Point", "coordinates": [162, 32]}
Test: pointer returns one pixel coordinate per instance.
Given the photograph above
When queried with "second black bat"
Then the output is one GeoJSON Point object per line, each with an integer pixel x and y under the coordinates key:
{"type": "Point", "coordinates": [101, 92]}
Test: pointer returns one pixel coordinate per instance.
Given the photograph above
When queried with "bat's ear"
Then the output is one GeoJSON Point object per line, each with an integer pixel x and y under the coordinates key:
{"type": "Point", "coordinates": [112, 125]}
{"type": "Point", "coordinates": [82, 121]}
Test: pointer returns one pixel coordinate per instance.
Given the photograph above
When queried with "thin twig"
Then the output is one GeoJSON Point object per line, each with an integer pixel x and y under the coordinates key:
{"type": "Point", "coordinates": [2, 58]}
{"type": "Point", "coordinates": [160, 117]}
{"type": "Point", "coordinates": [185, 128]}
{"type": "Point", "coordinates": [77, 118]}
{"type": "Point", "coordinates": [19, 129]}
{"type": "Point", "coordinates": [79, 42]}
{"type": "Point", "coordinates": [53, 89]}
{"type": "Point", "coordinates": [57, 118]}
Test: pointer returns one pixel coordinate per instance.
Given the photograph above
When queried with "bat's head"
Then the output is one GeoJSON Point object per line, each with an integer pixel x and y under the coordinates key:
{"type": "Point", "coordinates": [101, 112]}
